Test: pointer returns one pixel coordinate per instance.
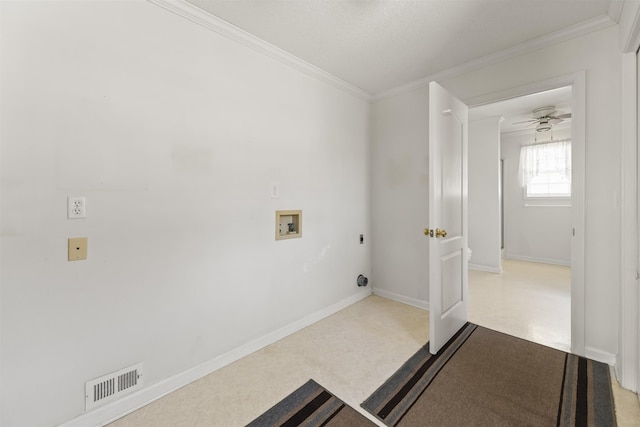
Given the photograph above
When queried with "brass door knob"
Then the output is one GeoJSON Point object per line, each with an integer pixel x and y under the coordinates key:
{"type": "Point", "coordinates": [426, 231]}
{"type": "Point", "coordinates": [441, 233]}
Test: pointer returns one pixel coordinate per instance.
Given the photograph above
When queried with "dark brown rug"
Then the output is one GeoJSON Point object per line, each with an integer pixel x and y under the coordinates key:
{"type": "Point", "coordinates": [485, 378]}
{"type": "Point", "coordinates": [311, 405]}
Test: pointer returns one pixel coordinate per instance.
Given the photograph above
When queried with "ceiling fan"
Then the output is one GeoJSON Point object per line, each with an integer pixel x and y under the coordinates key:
{"type": "Point", "coordinates": [544, 118]}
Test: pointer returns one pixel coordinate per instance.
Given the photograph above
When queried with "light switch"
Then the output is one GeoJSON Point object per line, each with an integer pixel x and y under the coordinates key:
{"type": "Point", "coordinates": [274, 190]}
{"type": "Point", "coordinates": [77, 248]}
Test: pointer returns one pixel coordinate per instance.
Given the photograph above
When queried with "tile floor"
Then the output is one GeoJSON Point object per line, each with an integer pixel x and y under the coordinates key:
{"type": "Point", "coordinates": [528, 300]}
{"type": "Point", "coordinates": [352, 353]}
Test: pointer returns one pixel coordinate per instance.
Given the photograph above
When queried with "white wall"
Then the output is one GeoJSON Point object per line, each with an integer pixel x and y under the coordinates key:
{"type": "Point", "coordinates": [484, 195]}
{"type": "Point", "coordinates": [399, 208]}
{"type": "Point", "coordinates": [173, 133]}
{"type": "Point", "coordinates": [597, 53]}
{"type": "Point", "coordinates": [535, 230]}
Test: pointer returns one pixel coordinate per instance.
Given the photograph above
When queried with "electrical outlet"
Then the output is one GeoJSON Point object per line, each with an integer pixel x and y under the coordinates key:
{"type": "Point", "coordinates": [76, 207]}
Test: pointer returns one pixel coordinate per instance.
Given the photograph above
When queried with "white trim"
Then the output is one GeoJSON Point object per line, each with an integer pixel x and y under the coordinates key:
{"type": "Point", "coordinates": [401, 298]}
{"type": "Point", "coordinates": [578, 162]}
{"type": "Point", "coordinates": [527, 89]}
{"type": "Point", "coordinates": [128, 404]}
{"type": "Point", "coordinates": [213, 23]}
{"type": "Point", "coordinates": [538, 260]}
{"type": "Point", "coordinates": [626, 366]}
{"type": "Point", "coordinates": [555, 37]}
{"type": "Point", "coordinates": [1, 286]}
{"type": "Point", "coordinates": [486, 268]}
{"type": "Point", "coordinates": [600, 355]}
{"type": "Point", "coordinates": [578, 125]}
{"type": "Point", "coordinates": [615, 9]}
{"type": "Point", "coordinates": [629, 26]}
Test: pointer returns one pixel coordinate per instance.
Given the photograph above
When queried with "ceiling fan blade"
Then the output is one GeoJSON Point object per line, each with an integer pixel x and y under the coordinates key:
{"type": "Point", "coordinates": [555, 120]}
{"type": "Point", "coordinates": [563, 116]}
{"type": "Point", "coordinates": [526, 121]}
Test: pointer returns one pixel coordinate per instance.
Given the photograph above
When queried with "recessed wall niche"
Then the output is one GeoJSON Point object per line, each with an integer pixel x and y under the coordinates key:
{"type": "Point", "coordinates": [288, 224]}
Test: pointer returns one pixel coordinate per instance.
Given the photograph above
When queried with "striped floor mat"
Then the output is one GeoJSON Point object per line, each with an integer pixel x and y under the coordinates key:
{"type": "Point", "coordinates": [485, 378]}
{"type": "Point", "coordinates": [312, 406]}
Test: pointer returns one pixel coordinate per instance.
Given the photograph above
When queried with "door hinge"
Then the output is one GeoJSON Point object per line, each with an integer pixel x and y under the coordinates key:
{"type": "Point", "coordinates": [573, 232]}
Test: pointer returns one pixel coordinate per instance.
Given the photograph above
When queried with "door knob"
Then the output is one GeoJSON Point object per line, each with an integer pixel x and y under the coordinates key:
{"type": "Point", "coordinates": [426, 231]}
{"type": "Point", "coordinates": [441, 233]}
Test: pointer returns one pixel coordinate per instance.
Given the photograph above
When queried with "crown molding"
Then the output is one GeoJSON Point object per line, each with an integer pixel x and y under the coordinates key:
{"type": "Point", "coordinates": [555, 37]}
{"type": "Point", "coordinates": [213, 23]}
{"type": "Point", "coordinates": [615, 9]}
{"type": "Point", "coordinates": [629, 20]}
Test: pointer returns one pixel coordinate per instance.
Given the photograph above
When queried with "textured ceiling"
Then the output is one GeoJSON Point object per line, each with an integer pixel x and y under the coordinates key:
{"type": "Point", "coordinates": [379, 45]}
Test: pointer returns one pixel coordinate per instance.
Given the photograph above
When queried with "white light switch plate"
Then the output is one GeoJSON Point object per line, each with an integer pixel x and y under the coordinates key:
{"type": "Point", "coordinates": [274, 190]}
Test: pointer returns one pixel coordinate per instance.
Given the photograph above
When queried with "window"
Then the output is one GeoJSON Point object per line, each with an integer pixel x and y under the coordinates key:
{"type": "Point", "coordinates": [546, 169]}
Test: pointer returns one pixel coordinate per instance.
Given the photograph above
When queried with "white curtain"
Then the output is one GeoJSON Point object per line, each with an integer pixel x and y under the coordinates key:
{"type": "Point", "coordinates": [552, 158]}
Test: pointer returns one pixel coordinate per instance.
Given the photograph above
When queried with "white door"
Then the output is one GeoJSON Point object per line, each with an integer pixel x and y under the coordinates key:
{"type": "Point", "coordinates": [447, 232]}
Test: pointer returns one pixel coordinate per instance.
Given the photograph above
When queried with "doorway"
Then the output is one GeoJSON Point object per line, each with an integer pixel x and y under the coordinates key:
{"type": "Point", "coordinates": [524, 239]}
{"type": "Point", "coordinates": [528, 300]}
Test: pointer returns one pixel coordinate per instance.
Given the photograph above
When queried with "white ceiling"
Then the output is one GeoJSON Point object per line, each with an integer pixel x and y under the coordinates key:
{"type": "Point", "coordinates": [378, 45]}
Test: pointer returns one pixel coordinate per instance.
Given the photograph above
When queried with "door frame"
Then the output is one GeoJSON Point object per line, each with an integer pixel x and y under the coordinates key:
{"type": "Point", "coordinates": [578, 124]}
{"type": "Point", "coordinates": [628, 359]}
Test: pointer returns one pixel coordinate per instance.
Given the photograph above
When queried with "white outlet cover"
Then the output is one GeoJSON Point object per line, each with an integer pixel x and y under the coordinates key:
{"type": "Point", "coordinates": [76, 207]}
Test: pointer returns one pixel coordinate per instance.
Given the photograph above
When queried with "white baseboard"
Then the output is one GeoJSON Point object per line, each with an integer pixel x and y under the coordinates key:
{"type": "Point", "coordinates": [486, 268]}
{"type": "Point", "coordinates": [401, 298]}
{"type": "Point", "coordinates": [540, 260]}
{"type": "Point", "coordinates": [600, 356]}
{"type": "Point", "coordinates": [111, 412]}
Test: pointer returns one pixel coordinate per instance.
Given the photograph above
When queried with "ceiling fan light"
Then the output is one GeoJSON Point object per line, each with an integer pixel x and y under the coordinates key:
{"type": "Point", "coordinates": [543, 127]}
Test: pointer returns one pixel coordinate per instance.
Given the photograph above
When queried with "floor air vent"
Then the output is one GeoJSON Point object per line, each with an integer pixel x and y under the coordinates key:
{"type": "Point", "coordinates": [111, 387]}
